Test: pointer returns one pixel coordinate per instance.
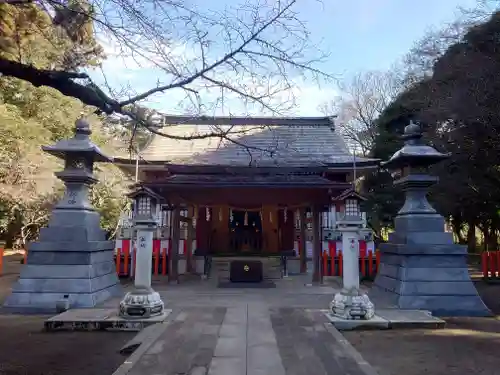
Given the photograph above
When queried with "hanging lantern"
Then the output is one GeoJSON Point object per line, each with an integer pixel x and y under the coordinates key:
{"type": "Point", "coordinates": [270, 217]}
{"type": "Point", "coordinates": [220, 214]}
{"type": "Point", "coordinates": [285, 214]}
{"type": "Point", "coordinates": [207, 213]}
{"type": "Point", "coordinates": [253, 224]}
{"type": "Point", "coordinates": [245, 221]}
{"type": "Point", "coordinates": [231, 218]}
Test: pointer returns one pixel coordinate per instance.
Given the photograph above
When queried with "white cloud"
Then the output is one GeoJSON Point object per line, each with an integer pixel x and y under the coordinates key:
{"type": "Point", "coordinates": [150, 54]}
{"type": "Point", "coordinates": [131, 74]}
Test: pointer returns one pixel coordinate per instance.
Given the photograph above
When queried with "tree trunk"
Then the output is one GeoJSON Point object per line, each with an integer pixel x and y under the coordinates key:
{"type": "Point", "coordinates": [471, 237]}
{"type": "Point", "coordinates": [492, 237]}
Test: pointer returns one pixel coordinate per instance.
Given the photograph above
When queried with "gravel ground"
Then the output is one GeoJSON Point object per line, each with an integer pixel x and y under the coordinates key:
{"type": "Point", "coordinates": [466, 346]}
{"type": "Point", "coordinates": [25, 349]}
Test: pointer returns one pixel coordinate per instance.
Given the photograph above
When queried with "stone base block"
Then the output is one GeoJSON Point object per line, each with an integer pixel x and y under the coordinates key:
{"type": "Point", "coordinates": [99, 319]}
{"type": "Point", "coordinates": [141, 303]}
{"type": "Point", "coordinates": [440, 305]}
{"type": "Point", "coordinates": [37, 302]}
{"type": "Point", "coordinates": [352, 306]}
{"type": "Point", "coordinates": [388, 319]}
{"type": "Point", "coordinates": [439, 283]}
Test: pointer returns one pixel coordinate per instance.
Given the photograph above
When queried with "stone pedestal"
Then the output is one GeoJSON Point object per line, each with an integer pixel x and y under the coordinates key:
{"type": "Point", "coordinates": [350, 303]}
{"type": "Point", "coordinates": [143, 301]}
{"type": "Point", "coordinates": [421, 267]}
{"type": "Point", "coordinates": [72, 261]}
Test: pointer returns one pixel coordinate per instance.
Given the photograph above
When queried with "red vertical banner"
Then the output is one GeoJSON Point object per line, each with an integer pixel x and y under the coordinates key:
{"type": "Point", "coordinates": [126, 255]}
{"type": "Point", "coordinates": [333, 256]}
{"type": "Point", "coordinates": [332, 248]}
{"type": "Point", "coordinates": [370, 263]}
{"type": "Point", "coordinates": [377, 259]}
{"type": "Point", "coordinates": [492, 258]}
{"type": "Point", "coordinates": [362, 249]}
{"type": "Point", "coordinates": [156, 253]}
{"type": "Point", "coordinates": [118, 261]}
{"type": "Point", "coordinates": [498, 264]}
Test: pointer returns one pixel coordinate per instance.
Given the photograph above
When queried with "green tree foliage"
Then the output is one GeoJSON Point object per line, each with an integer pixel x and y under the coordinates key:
{"type": "Point", "coordinates": [458, 107]}
{"type": "Point", "coordinates": [35, 116]}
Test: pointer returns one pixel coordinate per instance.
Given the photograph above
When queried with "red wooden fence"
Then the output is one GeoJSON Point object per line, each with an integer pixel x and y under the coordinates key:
{"type": "Point", "coordinates": [124, 263]}
{"type": "Point", "coordinates": [368, 263]}
{"type": "Point", "coordinates": [490, 264]}
{"type": "Point", "coordinates": [331, 263]}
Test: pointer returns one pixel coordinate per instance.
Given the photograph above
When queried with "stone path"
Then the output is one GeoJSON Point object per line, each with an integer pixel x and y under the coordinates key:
{"type": "Point", "coordinates": [246, 340]}
{"type": "Point", "coordinates": [307, 346]}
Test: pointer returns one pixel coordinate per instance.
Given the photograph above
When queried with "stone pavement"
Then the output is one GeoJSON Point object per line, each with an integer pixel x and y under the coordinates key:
{"type": "Point", "coordinates": [246, 340]}
{"type": "Point", "coordinates": [279, 331]}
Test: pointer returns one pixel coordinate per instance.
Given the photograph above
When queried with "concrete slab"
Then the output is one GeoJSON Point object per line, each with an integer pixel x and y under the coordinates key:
{"type": "Point", "coordinates": [227, 366]}
{"type": "Point", "coordinates": [140, 338]}
{"type": "Point", "coordinates": [231, 347]}
{"type": "Point", "coordinates": [410, 318]}
{"type": "Point", "coordinates": [388, 319]}
{"type": "Point", "coordinates": [376, 322]}
{"type": "Point", "coordinates": [99, 319]}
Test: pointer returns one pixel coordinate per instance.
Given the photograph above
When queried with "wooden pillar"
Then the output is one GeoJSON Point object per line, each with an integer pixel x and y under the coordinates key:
{"type": "Point", "coordinates": [316, 230]}
{"type": "Point", "coordinates": [270, 228]}
{"type": "Point", "coordinates": [189, 239]}
{"type": "Point", "coordinates": [303, 242]}
{"type": "Point", "coordinates": [176, 233]}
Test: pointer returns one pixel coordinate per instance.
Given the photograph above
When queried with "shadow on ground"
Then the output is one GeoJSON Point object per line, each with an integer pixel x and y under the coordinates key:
{"type": "Point", "coordinates": [465, 346]}
{"type": "Point", "coordinates": [26, 350]}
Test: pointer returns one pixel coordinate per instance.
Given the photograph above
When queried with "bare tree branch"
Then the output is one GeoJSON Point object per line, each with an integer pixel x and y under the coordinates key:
{"type": "Point", "coordinates": [361, 101]}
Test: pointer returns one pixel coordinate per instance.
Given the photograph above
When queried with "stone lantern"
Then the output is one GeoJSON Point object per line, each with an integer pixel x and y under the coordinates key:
{"type": "Point", "coordinates": [421, 267]}
{"type": "Point", "coordinates": [143, 301]}
{"type": "Point", "coordinates": [350, 303]}
{"type": "Point", "coordinates": [72, 264]}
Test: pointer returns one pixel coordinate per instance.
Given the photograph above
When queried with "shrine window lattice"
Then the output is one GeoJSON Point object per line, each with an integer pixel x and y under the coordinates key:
{"type": "Point", "coordinates": [351, 207]}
{"type": "Point", "coordinates": [144, 206]}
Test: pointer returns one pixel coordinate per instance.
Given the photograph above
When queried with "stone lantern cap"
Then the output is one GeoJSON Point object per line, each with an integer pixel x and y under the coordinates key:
{"type": "Point", "coordinates": [350, 218]}
{"type": "Point", "coordinates": [415, 153]}
{"type": "Point", "coordinates": [79, 144]}
{"type": "Point", "coordinates": [140, 190]}
{"type": "Point", "coordinates": [350, 194]}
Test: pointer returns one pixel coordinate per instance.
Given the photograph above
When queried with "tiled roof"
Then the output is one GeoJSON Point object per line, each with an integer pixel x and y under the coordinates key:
{"type": "Point", "coordinates": [304, 144]}
{"type": "Point", "coordinates": [266, 180]}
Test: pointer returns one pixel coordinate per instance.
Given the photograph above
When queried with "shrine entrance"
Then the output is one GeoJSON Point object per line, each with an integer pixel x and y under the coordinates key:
{"type": "Point", "coordinates": [245, 232]}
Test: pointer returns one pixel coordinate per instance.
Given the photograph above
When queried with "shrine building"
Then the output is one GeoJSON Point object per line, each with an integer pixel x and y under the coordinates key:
{"type": "Point", "coordinates": [268, 191]}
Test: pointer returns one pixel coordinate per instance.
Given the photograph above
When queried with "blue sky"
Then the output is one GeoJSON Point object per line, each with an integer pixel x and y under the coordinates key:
{"type": "Point", "coordinates": [360, 35]}
{"type": "Point", "coordinates": [373, 34]}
